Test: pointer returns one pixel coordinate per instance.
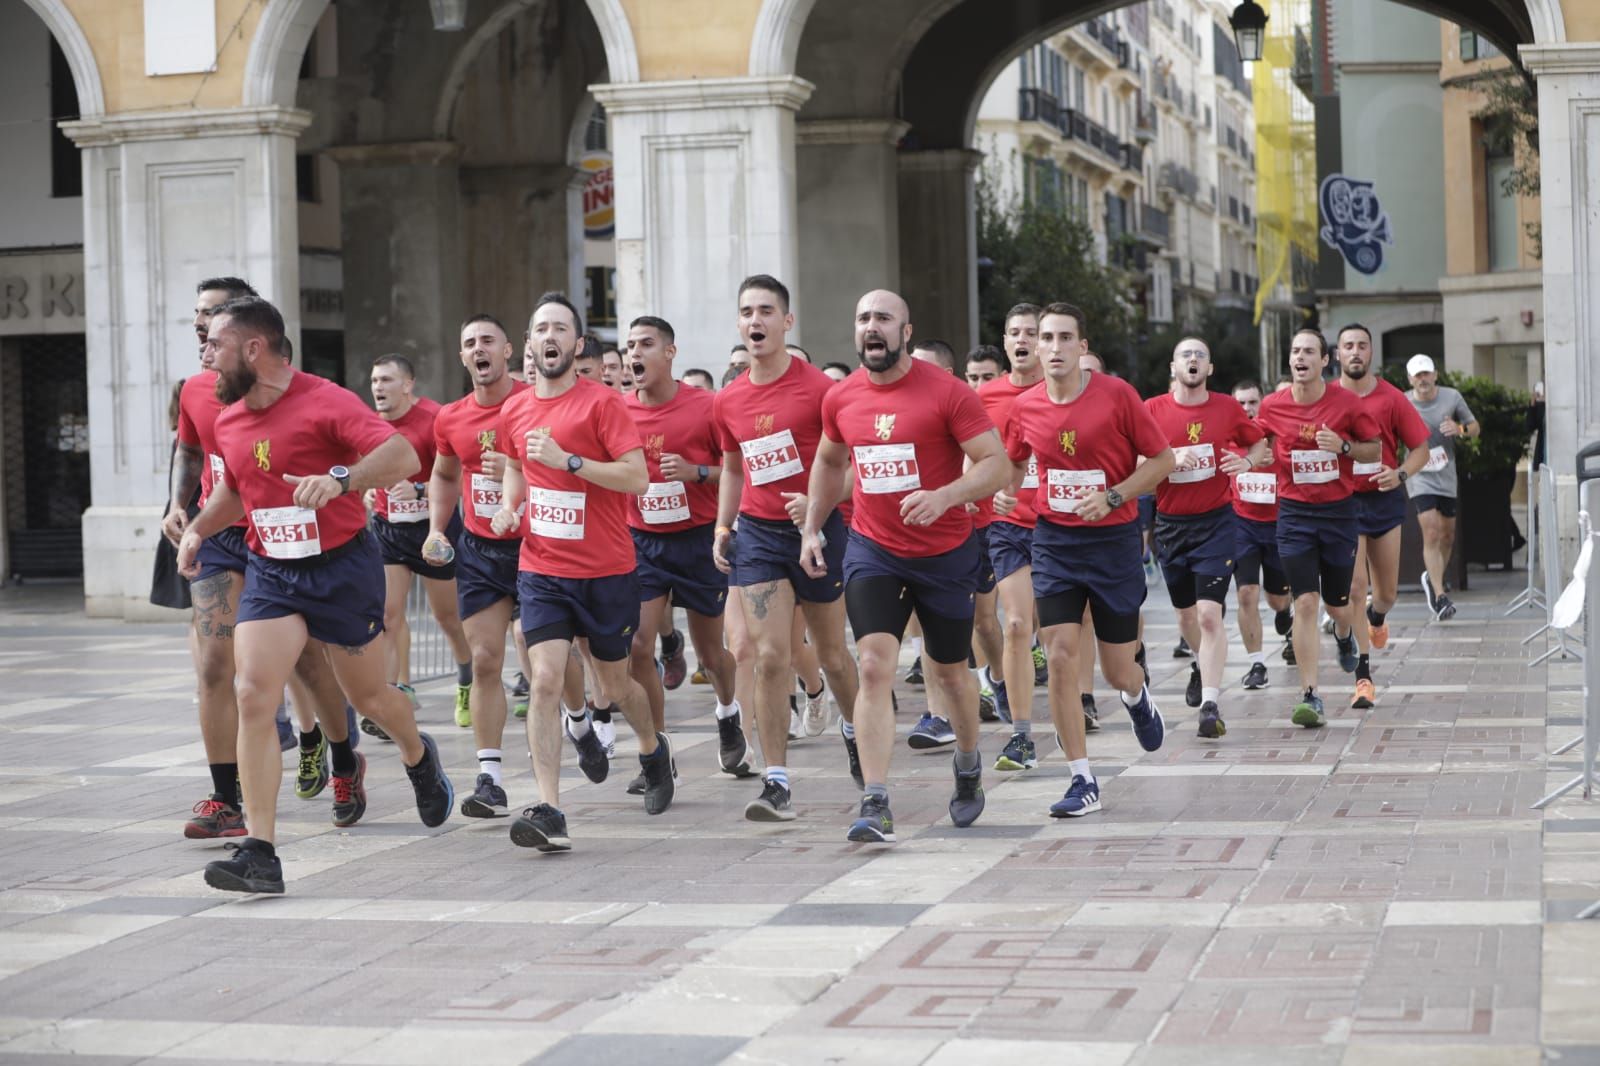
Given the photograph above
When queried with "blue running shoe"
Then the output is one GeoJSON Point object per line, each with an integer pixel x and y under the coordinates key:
{"type": "Point", "coordinates": [931, 732]}
{"type": "Point", "coordinates": [1147, 723]}
{"type": "Point", "coordinates": [876, 824]}
{"type": "Point", "coordinates": [1081, 799]}
{"type": "Point", "coordinates": [967, 803]}
{"type": "Point", "coordinates": [1002, 702]}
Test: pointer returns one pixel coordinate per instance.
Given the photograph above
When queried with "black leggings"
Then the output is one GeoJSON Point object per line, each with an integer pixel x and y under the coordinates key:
{"type": "Point", "coordinates": [883, 604]}
{"type": "Point", "coordinates": [1066, 608]}
{"type": "Point", "coordinates": [1311, 573]}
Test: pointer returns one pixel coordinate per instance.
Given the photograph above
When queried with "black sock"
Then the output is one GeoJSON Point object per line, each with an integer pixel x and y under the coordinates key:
{"type": "Point", "coordinates": [344, 757]}
{"type": "Point", "coordinates": [671, 644]}
{"type": "Point", "coordinates": [1375, 618]}
{"type": "Point", "coordinates": [813, 695]}
{"type": "Point", "coordinates": [603, 714]}
{"type": "Point", "coordinates": [1363, 669]}
{"type": "Point", "coordinates": [225, 782]}
{"type": "Point", "coordinates": [463, 674]}
{"type": "Point", "coordinates": [312, 739]}
{"type": "Point", "coordinates": [264, 847]}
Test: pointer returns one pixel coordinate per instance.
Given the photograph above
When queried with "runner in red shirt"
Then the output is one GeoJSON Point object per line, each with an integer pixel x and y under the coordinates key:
{"type": "Point", "coordinates": [1255, 551]}
{"type": "Point", "coordinates": [1317, 433]}
{"type": "Point", "coordinates": [1088, 432]}
{"type": "Point", "coordinates": [906, 428]}
{"type": "Point", "coordinates": [1011, 551]}
{"type": "Point", "coordinates": [1380, 505]}
{"type": "Point", "coordinates": [768, 423]}
{"type": "Point", "coordinates": [464, 493]}
{"type": "Point", "coordinates": [313, 572]}
{"type": "Point", "coordinates": [400, 523]}
{"type": "Point", "coordinates": [672, 526]}
{"type": "Point", "coordinates": [985, 363]}
{"type": "Point", "coordinates": [576, 458]}
{"type": "Point", "coordinates": [1194, 515]}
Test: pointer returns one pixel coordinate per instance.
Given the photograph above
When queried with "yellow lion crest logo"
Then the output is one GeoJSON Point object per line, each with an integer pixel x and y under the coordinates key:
{"type": "Point", "coordinates": [883, 426]}
{"type": "Point", "coordinates": [764, 424]}
{"type": "Point", "coordinates": [263, 453]}
{"type": "Point", "coordinates": [1069, 441]}
{"type": "Point", "coordinates": [1194, 430]}
{"type": "Point", "coordinates": [486, 440]}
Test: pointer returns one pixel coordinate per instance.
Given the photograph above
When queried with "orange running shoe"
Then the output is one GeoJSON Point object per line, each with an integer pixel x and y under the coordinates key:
{"type": "Point", "coordinates": [1380, 635]}
{"type": "Point", "coordinates": [1366, 695]}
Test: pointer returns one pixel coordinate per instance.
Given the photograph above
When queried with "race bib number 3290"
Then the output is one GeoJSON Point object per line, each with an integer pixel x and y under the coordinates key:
{"type": "Point", "coordinates": [555, 514]}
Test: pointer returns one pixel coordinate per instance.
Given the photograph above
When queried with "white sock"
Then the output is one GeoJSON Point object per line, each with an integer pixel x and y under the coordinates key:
{"type": "Point", "coordinates": [489, 762]}
{"type": "Point", "coordinates": [1131, 699]}
{"type": "Point", "coordinates": [727, 710]}
{"type": "Point", "coordinates": [1258, 657]}
{"type": "Point", "coordinates": [1080, 768]}
{"type": "Point", "coordinates": [1209, 695]}
{"type": "Point", "coordinates": [578, 724]}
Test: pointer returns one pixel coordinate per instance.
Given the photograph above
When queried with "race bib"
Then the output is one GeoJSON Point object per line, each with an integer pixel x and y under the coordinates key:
{"type": "Point", "coordinates": [1438, 459]}
{"type": "Point", "coordinates": [216, 468]}
{"type": "Point", "coordinates": [1030, 480]}
{"type": "Point", "coordinates": [1314, 467]}
{"type": "Point", "coordinates": [413, 510]}
{"type": "Point", "coordinates": [1068, 487]}
{"type": "Point", "coordinates": [1365, 469]}
{"type": "Point", "coordinates": [882, 468]}
{"type": "Point", "coordinates": [1258, 488]}
{"type": "Point", "coordinates": [664, 503]}
{"type": "Point", "coordinates": [555, 514]}
{"type": "Point", "coordinates": [287, 532]}
{"type": "Point", "coordinates": [1205, 469]}
{"type": "Point", "coordinates": [771, 458]}
{"type": "Point", "coordinates": [485, 495]}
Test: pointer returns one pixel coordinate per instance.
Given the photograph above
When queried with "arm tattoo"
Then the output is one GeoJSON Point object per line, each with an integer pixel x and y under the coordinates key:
{"type": "Point", "coordinates": [186, 466]}
{"type": "Point", "coordinates": [759, 598]}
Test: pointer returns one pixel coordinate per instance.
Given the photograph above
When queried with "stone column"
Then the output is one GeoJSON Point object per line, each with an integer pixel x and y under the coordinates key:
{"type": "Point", "coordinates": [404, 284]}
{"type": "Point", "coordinates": [169, 198]}
{"type": "Point", "coordinates": [939, 244]}
{"type": "Point", "coordinates": [849, 224]}
{"type": "Point", "coordinates": [519, 223]}
{"type": "Point", "coordinates": [704, 173]}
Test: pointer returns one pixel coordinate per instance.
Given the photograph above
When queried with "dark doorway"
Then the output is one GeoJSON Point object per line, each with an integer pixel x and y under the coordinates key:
{"type": "Point", "coordinates": [47, 454]}
{"type": "Point", "coordinates": [1401, 344]}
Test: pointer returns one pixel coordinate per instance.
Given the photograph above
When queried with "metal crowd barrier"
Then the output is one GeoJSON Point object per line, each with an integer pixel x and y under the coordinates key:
{"type": "Point", "coordinates": [1550, 549]}
{"type": "Point", "coordinates": [1531, 596]}
{"type": "Point", "coordinates": [431, 656]}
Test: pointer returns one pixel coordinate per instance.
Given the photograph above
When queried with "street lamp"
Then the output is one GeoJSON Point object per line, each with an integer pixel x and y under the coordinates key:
{"type": "Point", "coordinates": [1249, 24]}
{"type": "Point", "coordinates": [449, 14]}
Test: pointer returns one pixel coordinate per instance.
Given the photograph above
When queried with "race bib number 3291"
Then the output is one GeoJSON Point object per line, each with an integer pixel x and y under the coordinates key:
{"type": "Point", "coordinates": [882, 468]}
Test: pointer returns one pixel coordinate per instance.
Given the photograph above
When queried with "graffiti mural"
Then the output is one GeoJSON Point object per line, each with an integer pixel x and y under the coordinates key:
{"type": "Point", "coordinates": [1354, 222]}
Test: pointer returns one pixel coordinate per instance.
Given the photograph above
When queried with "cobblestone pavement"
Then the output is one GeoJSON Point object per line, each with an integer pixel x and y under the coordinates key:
{"type": "Point", "coordinates": [1376, 892]}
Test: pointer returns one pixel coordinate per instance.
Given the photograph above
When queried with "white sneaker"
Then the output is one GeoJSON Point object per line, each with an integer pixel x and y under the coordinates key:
{"type": "Point", "coordinates": [796, 729]}
{"type": "Point", "coordinates": [605, 732]}
{"type": "Point", "coordinates": [817, 714]}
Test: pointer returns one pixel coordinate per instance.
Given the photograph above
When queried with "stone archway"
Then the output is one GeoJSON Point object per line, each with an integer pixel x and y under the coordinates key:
{"type": "Point", "coordinates": [80, 57]}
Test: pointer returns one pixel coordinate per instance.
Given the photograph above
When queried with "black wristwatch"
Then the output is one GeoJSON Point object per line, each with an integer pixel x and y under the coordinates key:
{"type": "Point", "coordinates": [1113, 499]}
{"type": "Point", "coordinates": [574, 463]}
{"type": "Point", "coordinates": [341, 474]}
{"type": "Point", "coordinates": [1403, 475]}
{"type": "Point", "coordinates": [701, 473]}
{"type": "Point", "coordinates": [1344, 447]}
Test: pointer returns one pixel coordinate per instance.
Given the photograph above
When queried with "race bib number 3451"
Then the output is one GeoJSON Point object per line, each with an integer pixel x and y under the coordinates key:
{"type": "Point", "coordinates": [287, 532]}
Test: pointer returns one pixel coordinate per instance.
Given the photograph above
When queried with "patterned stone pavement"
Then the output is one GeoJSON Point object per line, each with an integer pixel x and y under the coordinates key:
{"type": "Point", "coordinates": [1376, 892]}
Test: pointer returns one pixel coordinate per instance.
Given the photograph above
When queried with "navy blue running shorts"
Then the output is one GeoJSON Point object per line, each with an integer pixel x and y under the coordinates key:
{"type": "Point", "coordinates": [1010, 548]}
{"type": "Point", "coordinates": [339, 593]}
{"type": "Point", "coordinates": [1104, 562]}
{"type": "Point", "coordinates": [400, 544]}
{"type": "Point", "coordinates": [1256, 560]}
{"type": "Point", "coordinates": [603, 609]}
{"type": "Point", "coordinates": [1196, 554]}
{"type": "Point", "coordinates": [486, 572]}
{"type": "Point", "coordinates": [223, 552]}
{"type": "Point", "coordinates": [765, 550]}
{"type": "Point", "coordinates": [679, 564]}
{"type": "Point", "coordinates": [986, 573]}
{"type": "Point", "coordinates": [1379, 512]}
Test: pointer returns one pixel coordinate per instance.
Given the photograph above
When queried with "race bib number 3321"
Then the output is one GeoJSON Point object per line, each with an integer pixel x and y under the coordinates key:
{"type": "Point", "coordinates": [771, 458]}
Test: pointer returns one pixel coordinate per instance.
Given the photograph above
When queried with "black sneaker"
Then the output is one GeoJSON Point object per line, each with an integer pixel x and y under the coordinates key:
{"type": "Point", "coordinates": [1191, 695]}
{"type": "Point", "coordinates": [1211, 723]}
{"type": "Point", "coordinates": [350, 795]}
{"type": "Point", "coordinates": [853, 754]}
{"type": "Point", "coordinates": [1283, 621]}
{"type": "Point", "coordinates": [1446, 610]}
{"type": "Point", "coordinates": [1348, 658]}
{"type": "Point", "coordinates": [914, 675]}
{"type": "Point", "coordinates": [876, 824]}
{"type": "Point", "coordinates": [1257, 677]}
{"type": "Point", "coordinates": [488, 800]}
{"type": "Point", "coordinates": [773, 805]}
{"type": "Point", "coordinates": [541, 827]}
{"type": "Point", "coordinates": [1139, 658]}
{"type": "Point", "coordinates": [732, 748]}
{"type": "Point", "coordinates": [311, 776]}
{"type": "Point", "coordinates": [967, 803]}
{"type": "Point", "coordinates": [591, 752]}
{"type": "Point", "coordinates": [373, 729]}
{"type": "Point", "coordinates": [1091, 713]}
{"type": "Point", "coordinates": [986, 708]}
{"type": "Point", "coordinates": [1182, 650]}
{"type": "Point", "coordinates": [1288, 649]}
{"type": "Point", "coordinates": [253, 867]}
{"type": "Point", "coordinates": [1430, 597]}
{"type": "Point", "coordinates": [637, 786]}
{"type": "Point", "coordinates": [661, 776]}
{"type": "Point", "coordinates": [435, 796]}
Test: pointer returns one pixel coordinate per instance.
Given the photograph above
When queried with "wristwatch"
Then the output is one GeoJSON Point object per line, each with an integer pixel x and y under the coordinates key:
{"type": "Point", "coordinates": [1113, 499]}
{"type": "Point", "coordinates": [702, 472]}
{"type": "Point", "coordinates": [1344, 447]}
{"type": "Point", "coordinates": [574, 463]}
{"type": "Point", "coordinates": [341, 474]}
{"type": "Point", "coordinates": [1403, 475]}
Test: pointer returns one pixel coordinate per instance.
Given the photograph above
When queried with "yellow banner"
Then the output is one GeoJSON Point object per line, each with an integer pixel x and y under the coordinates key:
{"type": "Point", "coordinates": [1286, 152]}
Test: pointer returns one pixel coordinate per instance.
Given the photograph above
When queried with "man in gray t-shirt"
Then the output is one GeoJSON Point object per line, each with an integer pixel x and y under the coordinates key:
{"type": "Point", "coordinates": [1433, 488]}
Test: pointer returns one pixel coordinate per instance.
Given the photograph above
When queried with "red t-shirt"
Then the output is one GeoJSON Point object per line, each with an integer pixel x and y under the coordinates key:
{"type": "Point", "coordinates": [1255, 492]}
{"type": "Point", "coordinates": [1205, 431]}
{"type": "Point", "coordinates": [905, 437]}
{"type": "Point", "coordinates": [573, 528]}
{"type": "Point", "coordinates": [1306, 472]}
{"type": "Point", "coordinates": [1085, 445]}
{"type": "Point", "coordinates": [775, 428]}
{"type": "Point", "coordinates": [314, 426]}
{"type": "Point", "coordinates": [1398, 422]}
{"type": "Point", "coordinates": [416, 425]}
{"type": "Point", "coordinates": [997, 397]}
{"type": "Point", "coordinates": [467, 430]}
{"type": "Point", "coordinates": [682, 426]}
{"type": "Point", "coordinates": [198, 408]}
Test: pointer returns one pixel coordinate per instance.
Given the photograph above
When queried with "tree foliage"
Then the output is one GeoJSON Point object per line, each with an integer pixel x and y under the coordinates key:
{"type": "Point", "coordinates": [1510, 123]}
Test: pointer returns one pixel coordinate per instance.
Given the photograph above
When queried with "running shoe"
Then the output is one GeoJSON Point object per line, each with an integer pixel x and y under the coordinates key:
{"type": "Point", "coordinates": [352, 726]}
{"type": "Point", "coordinates": [852, 755]}
{"type": "Point", "coordinates": [797, 728]}
{"type": "Point", "coordinates": [591, 751]}
{"type": "Point", "coordinates": [1091, 713]}
{"type": "Point", "coordinates": [1018, 754]}
{"type": "Point", "coordinates": [373, 729]}
{"type": "Point", "coordinates": [967, 802]}
{"type": "Point", "coordinates": [1211, 724]}
{"type": "Point", "coordinates": [214, 817]}
{"type": "Point", "coordinates": [410, 694]}
{"type": "Point", "coordinates": [1327, 623]}
{"type": "Point", "coordinates": [1191, 694]}
{"type": "Point", "coordinates": [1139, 657]}
{"type": "Point", "coordinates": [1429, 596]}
{"type": "Point", "coordinates": [674, 667]}
{"type": "Point", "coordinates": [1002, 702]}
{"type": "Point", "coordinates": [661, 776]}
{"type": "Point", "coordinates": [541, 827]}
{"type": "Point", "coordinates": [773, 805]}
{"type": "Point", "coordinates": [1348, 658]}
{"type": "Point", "coordinates": [637, 786]}
{"type": "Point", "coordinates": [604, 728]}
{"type": "Point", "coordinates": [1283, 621]}
{"type": "Point", "coordinates": [930, 732]}
{"type": "Point", "coordinates": [814, 718]}
{"type": "Point", "coordinates": [350, 795]}
{"type": "Point", "coordinates": [1308, 712]}
{"type": "Point", "coordinates": [1446, 609]}
{"type": "Point", "coordinates": [876, 824]}
{"type": "Point", "coordinates": [914, 675]}
{"type": "Point", "coordinates": [1182, 650]}
{"type": "Point", "coordinates": [1366, 695]}
{"type": "Point", "coordinates": [1256, 677]}
{"type": "Point", "coordinates": [1380, 632]}
{"type": "Point", "coordinates": [519, 696]}
{"type": "Point", "coordinates": [251, 868]}
{"type": "Point", "coordinates": [1148, 726]}
{"type": "Point", "coordinates": [986, 711]}
{"type": "Point", "coordinates": [1041, 665]}
{"type": "Point", "coordinates": [488, 800]}
{"type": "Point", "coordinates": [435, 796]}
{"type": "Point", "coordinates": [1081, 799]}
{"type": "Point", "coordinates": [731, 746]}
{"type": "Point", "coordinates": [312, 775]}
{"type": "Point", "coordinates": [1288, 649]}
{"type": "Point", "coordinates": [286, 738]}
{"type": "Point", "coordinates": [699, 677]}
{"type": "Point", "coordinates": [464, 706]}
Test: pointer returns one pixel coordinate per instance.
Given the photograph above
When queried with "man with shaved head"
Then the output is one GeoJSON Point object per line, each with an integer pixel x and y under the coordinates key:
{"type": "Point", "coordinates": [908, 428]}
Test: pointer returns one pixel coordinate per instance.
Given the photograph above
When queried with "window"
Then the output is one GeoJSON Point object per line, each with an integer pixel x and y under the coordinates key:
{"type": "Point", "coordinates": [595, 134]}
{"type": "Point", "coordinates": [305, 179]}
{"type": "Point", "coordinates": [1476, 47]}
{"type": "Point", "coordinates": [66, 165]}
{"type": "Point", "coordinates": [1500, 222]}
{"type": "Point", "coordinates": [1078, 88]}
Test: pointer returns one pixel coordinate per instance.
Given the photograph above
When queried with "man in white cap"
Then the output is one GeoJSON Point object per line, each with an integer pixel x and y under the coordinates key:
{"type": "Point", "coordinates": [1433, 488]}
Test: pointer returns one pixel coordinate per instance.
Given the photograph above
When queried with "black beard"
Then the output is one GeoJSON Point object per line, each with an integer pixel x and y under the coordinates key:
{"type": "Point", "coordinates": [1355, 373]}
{"type": "Point", "coordinates": [550, 373]}
{"type": "Point", "coordinates": [231, 388]}
{"type": "Point", "coordinates": [890, 357]}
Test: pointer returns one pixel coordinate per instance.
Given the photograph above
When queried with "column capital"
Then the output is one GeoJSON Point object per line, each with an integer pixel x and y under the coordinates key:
{"type": "Point", "coordinates": [851, 131]}
{"type": "Point", "coordinates": [703, 94]}
{"type": "Point", "coordinates": [396, 153]}
{"type": "Point", "coordinates": [937, 159]}
{"type": "Point", "coordinates": [98, 131]}
{"type": "Point", "coordinates": [1570, 58]}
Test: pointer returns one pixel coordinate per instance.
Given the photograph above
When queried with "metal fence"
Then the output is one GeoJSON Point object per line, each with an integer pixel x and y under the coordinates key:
{"type": "Point", "coordinates": [431, 656]}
